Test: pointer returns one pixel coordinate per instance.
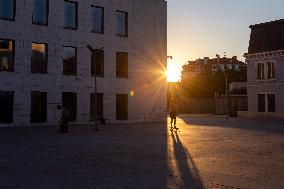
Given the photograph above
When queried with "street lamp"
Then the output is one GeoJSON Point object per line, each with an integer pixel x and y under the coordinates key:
{"type": "Point", "coordinates": [92, 50]}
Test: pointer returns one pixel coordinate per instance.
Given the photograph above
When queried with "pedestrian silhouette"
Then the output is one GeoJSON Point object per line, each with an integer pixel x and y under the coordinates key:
{"type": "Point", "coordinates": [173, 114]}
{"type": "Point", "coordinates": [65, 118]}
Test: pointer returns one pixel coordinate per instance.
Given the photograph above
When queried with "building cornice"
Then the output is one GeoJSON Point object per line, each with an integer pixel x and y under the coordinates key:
{"type": "Point", "coordinates": [270, 54]}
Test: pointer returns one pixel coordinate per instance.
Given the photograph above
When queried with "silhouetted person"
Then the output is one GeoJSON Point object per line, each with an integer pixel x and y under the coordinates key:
{"type": "Point", "coordinates": [173, 114]}
{"type": "Point", "coordinates": [65, 118]}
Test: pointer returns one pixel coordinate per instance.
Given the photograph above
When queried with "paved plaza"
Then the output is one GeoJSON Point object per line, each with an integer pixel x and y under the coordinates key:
{"type": "Point", "coordinates": [206, 153]}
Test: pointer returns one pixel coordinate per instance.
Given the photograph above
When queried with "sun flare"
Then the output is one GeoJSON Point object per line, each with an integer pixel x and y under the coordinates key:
{"type": "Point", "coordinates": [173, 73]}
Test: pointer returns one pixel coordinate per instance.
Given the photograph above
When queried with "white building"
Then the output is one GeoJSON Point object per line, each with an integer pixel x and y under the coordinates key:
{"type": "Point", "coordinates": [44, 60]}
{"type": "Point", "coordinates": [265, 58]}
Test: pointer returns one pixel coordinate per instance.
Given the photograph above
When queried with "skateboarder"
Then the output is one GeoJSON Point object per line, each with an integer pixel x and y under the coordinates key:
{"type": "Point", "coordinates": [173, 114]}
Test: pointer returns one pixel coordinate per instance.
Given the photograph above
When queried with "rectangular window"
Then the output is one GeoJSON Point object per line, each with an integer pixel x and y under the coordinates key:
{"type": "Point", "coordinates": [7, 9]}
{"type": "Point", "coordinates": [6, 106]}
{"type": "Point", "coordinates": [121, 106]}
{"type": "Point", "coordinates": [96, 106]}
{"type": "Point", "coordinates": [70, 15]}
{"type": "Point", "coordinates": [122, 65]}
{"type": "Point", "coordinates": [271, 102]}
{"type": "Point", "coordinates": [38, 107]}
{"type": "Point", "coordinates": [69, 101]}
{"type": "Point", "coordinates": [97, 19]}
{"type": "Point", "coordinates": [260, 71]}
{"type": "Point", "coordinates": [69, 60]}
{"type": "Point", "coordinates": [39, 58]}
{"type": "Point", "coordinates": [261, 102]}
{"type": "Point", "coordinates": [40, 12]}
{"type": "Point", "coordinates": [270, 70]}
{"type": "Point", "coordinates": [6, 55]}
{"type": "Point", "coordinates": [97, 63]}
{"type": "Point", "coordinates": [122, 23]}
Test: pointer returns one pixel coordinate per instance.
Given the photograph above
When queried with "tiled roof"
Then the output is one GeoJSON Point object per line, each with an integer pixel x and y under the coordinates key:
{"type": "Point", "coordinates": [213, 61]}
{"type": "Point", "coordinates": [267, 37]}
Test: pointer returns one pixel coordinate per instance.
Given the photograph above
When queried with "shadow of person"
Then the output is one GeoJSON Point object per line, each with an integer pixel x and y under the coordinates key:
{"type": "Point", "coordinates": [189, 174]}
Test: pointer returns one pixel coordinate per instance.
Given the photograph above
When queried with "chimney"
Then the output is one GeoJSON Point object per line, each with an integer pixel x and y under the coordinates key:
{"type": "Point", "coordinates": [234, 58]}
{"type": "Point", "coordinates": [206, 60]}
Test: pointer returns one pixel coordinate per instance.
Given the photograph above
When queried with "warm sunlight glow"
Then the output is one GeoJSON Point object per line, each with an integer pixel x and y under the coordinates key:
{"type": "Point", "coordinates": [173, 72]}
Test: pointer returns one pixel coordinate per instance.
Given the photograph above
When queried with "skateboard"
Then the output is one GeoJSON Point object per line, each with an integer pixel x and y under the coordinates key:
{"type": "Point", "coordinates": [174, 129]}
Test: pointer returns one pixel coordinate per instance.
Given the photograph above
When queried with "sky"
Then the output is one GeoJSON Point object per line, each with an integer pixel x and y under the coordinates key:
{"type": "Point", "coordinates": [204, 28]}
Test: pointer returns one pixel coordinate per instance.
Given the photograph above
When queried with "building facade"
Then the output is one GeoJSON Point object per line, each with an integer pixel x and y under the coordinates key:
{"type": "Point", "coordinates": [45, 62]}
{"type": "Point", "coordinates": [207, 65]}
{"type": "Point", "coordinates": [265, 58]}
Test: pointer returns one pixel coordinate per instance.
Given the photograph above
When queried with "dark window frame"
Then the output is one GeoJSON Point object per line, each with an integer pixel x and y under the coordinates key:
{"type": "Point", "coordinates": [46, 57]}
{"type": "Point", "coordinates": [102, 21]}
{"type": "Point", "coordinates": [13, 56]}
{"type": "Point", "coordinates": [76, 63]}
{"type": "Point", "coordinates": [126, 24]}
{"type": "Point", "coordinates": [94, 63]}
{"type": "Point", "coordinates": [120, 73]}
{"type": "Point", "coordinates": [271, 104]}
{"type": "Point", "coordinates": [76, 15]}
{"type": "Point", "coordinates": [42, 115]}
{"type": "Point", "coordinates": [261, 107]}
{"type": "Point", "coordinates": [271, 70]}
{"type": "Point", "coordinates": [14, 13]}
{"type": "Point", "coordinates": [46, 16]}
{"type": "Point", "coordinates": [120, 115]}
{"type": "Point", "coordinates": [100, 111]}
{"type": "Point", "coordinates": [72, 114]}
{"type": "Point", "coordinates": [10, 118]}
{"type": "Point", "coordinates": [260, 71]}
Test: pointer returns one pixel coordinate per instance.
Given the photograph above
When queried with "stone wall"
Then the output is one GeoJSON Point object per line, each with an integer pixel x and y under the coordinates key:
{"type": "Point", "coordinates": [146, 45]}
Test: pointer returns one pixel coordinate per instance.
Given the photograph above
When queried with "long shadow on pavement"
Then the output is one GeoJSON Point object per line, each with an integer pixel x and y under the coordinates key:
{"type": "Point", "coordinates": [189, 174]}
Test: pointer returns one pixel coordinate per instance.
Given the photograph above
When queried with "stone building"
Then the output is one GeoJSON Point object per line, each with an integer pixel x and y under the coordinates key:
{"type": "Point", "coordinates": [265, 75]}
{"type": "Point", "coordinates": [44, 60]}
{"type": "Point", "coordinates": [205, 65]}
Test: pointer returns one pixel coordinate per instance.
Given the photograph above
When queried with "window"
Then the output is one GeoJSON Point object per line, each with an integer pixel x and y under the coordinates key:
{"type": "Point", "coordinates": [69, 61]}
{"type": "Point", "coordinates": [38, 107]}
{"type": "Point", "coordinates": [261, 102]}
{"type": "Point", "coordinates": [40, 12]}
{"type": "Point", "coordinates": [97, 19]}
{"type": "Point", "coordinates": [96, 102]}
{"type": "Point", "coordinates": [260, 71]}
{"type": "Point", "coordinates": [6, 106]}
{"type": "Point", "coordinates": [69, 101]}
{"type": "Point", "coordinates": [7, 9]}
{"type": "Point", "coordinates": [6, 55]}
{"type": "Point", "coordinates": [97, 63]}
{"type": "Point", "coordinates": [70, 15]}
{"type": "Point", "coordinates": [122, 65]}
{"type": "Point", "coordinates": [229, 66]}
{"type": "Point", "coordinates": [198, 68]}
{"type": "Point", "coordinates": [214, 68]}
{"type": "Point", "coordinates": [237, 67]}
{"type": "Point", "coordinates": [270, 70]}
{"type": "Point", "coordinates": [121, 106]}
{"type": "Point", "coordinates": [271, 102]}
{"type": "Point", "coordinates": [122, 23]}
{"type": "Point", "coordinates": [39, 58]}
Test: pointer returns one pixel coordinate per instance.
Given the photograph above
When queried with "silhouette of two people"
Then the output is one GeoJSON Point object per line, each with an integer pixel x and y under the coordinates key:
{"type": "Point", "coordinates": [65, 118]}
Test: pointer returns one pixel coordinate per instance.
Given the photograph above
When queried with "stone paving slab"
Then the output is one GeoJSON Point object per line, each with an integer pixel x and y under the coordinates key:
{"type": "Point", "coordinates": [206, 153]}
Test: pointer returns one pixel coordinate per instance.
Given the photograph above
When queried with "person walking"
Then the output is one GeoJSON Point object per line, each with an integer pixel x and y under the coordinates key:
{"type": "Point", "coordinates": [64, 121]}
{"type": "Point", "coordinates": [173, 114]}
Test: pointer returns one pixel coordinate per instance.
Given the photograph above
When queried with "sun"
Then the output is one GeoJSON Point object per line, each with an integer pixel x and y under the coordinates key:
{"type": "Point", "coordinates": [173, 73]}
